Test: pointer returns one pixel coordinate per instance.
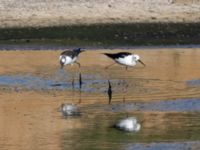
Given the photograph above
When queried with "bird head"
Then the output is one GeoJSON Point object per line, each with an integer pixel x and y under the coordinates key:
{"type": "Point", "coordinates": [137, 59]}
{"type": "Point", "coordinates": [62, 61]}
{"type": "Point", "coordinates": [78, 50]}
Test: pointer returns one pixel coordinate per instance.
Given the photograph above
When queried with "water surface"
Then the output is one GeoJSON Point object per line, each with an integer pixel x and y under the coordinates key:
{"type": "Point", "coordinates": [164, 96]}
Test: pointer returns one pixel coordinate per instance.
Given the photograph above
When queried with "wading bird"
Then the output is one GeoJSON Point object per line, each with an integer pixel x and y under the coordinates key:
{"type": "Point", "coordinates": [69, 57]}
{"type": "Point", "coordinates": [124, 58]}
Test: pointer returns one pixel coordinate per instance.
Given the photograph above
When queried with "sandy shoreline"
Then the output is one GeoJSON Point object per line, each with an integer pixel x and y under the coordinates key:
{"type": "Point", "coordinates": [45, 13]}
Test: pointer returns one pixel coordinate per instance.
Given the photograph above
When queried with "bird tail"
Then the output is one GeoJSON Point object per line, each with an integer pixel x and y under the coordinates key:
{"type": "Point", "coordinates": [109, 55]}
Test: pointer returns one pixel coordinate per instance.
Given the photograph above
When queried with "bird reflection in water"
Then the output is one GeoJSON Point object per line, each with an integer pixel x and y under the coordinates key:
{"type": "Point", "coordinates": [80, 88]}
{"type": "Point", "coordinates": [69, 110]}
{"type": "Point", "coordinates": [109, 92]}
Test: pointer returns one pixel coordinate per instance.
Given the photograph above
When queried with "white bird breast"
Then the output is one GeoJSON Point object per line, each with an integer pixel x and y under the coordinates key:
{"type": "Point", "coordinates": [68, 60]}
{"type": "Point", "coordinates": [128, 61]}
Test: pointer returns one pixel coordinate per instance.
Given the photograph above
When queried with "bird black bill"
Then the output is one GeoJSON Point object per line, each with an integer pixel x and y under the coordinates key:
{"type": "Point", "coordinates": [142, 63]}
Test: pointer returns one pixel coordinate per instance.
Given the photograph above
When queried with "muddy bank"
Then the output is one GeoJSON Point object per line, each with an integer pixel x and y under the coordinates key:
{"type": "Point", "coordinates": [105, 35]}
{"type": "Point", "coordinates": [100, 23]}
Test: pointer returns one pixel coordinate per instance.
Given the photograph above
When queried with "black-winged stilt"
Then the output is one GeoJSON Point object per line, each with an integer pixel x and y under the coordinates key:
{"type": "Point", "coordinates": [70, 57]}
{"type": "Point", "coordinates": [124, 58]}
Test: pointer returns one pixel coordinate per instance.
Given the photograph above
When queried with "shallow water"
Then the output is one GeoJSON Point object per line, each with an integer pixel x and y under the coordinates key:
{"type": "Point", "coordinates": [164, 97]}
{"type": "Point", "coordinates": [180, 105]}
{"type": "Point", "coordinates": [29, 82]}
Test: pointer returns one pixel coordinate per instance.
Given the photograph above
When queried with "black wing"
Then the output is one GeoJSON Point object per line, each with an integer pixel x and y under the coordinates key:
{"type": "Point", "coordinates": [72, 53]}
{"type": "Point", "coordinates": [118, 55]}
{"type": "Point", "coordinates": [68, 53]}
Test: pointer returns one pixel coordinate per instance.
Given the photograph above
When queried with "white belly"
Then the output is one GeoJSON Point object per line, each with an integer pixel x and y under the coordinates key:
{"type": "Point", "coordinates": [128, 61]}
{"type": "Point", "coordinates": [69, 60]}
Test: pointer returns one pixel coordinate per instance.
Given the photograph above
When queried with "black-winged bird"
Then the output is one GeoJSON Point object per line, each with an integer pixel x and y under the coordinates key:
{"type": "Point", "coordinates": [124, 58]}
{"type": "Point", "coordinates": [70, 57]}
